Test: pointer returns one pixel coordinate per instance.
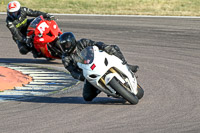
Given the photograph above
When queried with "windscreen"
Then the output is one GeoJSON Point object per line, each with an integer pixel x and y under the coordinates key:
{"type": "Point", "coordinates": [35, 22]}
{"type": "Point", "coordinates": [87, 55]}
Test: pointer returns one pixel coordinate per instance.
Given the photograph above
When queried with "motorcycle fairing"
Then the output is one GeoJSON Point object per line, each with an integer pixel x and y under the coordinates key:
{"type": "Point", "coordinates": [44, 32]}
{"type": "Point", "coordinates": [93, 76]}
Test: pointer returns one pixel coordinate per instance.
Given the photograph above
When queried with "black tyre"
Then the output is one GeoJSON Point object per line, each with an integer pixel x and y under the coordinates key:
{"type": "Point", "coordinates": [130, 97]}
{"type": "Point", "coordinates": [140, 93]}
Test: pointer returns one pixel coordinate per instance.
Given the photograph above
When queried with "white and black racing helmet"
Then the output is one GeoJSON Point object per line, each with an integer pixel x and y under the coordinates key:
{"type": "Point", "coordinates": [13, 9]}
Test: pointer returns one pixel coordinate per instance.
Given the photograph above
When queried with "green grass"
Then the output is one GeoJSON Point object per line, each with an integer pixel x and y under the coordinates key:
{"type": "Point", "coordinates": [128, 7]}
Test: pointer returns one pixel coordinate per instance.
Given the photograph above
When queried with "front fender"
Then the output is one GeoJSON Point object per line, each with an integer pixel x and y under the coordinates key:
{"type": "Point", "coordinates": [111, 75]}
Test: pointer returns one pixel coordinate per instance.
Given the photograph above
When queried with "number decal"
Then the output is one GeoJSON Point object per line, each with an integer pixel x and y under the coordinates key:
{"type": "Point", "coordinates": [42, 27]}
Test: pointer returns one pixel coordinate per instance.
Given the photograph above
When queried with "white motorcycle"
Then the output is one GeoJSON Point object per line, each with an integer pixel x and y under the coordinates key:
{"type": "Point", "coordinates": [108, 74]}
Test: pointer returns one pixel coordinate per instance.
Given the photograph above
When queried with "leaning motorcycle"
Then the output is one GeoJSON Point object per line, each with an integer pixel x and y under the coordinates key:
{"type": "Point", "coordinates": [108, 74]}
{"type": "Point", "coordinates": [44, 34]}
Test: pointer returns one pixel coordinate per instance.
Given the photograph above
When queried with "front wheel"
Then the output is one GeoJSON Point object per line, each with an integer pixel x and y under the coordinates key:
{"type": "Point", "coordinates": [140, 93]}
{"type": "Point", "coordinates": [130, 97]}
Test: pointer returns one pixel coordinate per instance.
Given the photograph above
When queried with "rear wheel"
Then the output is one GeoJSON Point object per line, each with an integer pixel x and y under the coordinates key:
{"type": "Point", "coordinates": [130, 97]}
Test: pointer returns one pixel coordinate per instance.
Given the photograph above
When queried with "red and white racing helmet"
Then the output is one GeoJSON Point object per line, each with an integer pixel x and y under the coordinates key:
{"type": "Point", "coordinates": [13, 9]}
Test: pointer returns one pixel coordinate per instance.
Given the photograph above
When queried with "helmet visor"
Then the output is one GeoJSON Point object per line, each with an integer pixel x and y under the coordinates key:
{"type": "Point", "coordinates": [67, 45]}
{"type": "Point", "coordinates": [14, 15]}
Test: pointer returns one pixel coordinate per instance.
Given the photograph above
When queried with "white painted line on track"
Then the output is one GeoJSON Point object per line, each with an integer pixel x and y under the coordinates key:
{"type": "Point", "coordinates": [36, 72]}
{"type": "Point", "coordinates": [44, 82]}
{"type": "Point", "coordinates": [14, 67]}
{"type": "Point", "coordinates": [47, 85]}
{"type": "Point", "coordinates": [140, 16]}
{"type": "Point", "coordinates": [102, 15]}
{"type": "Point", "coordinates": [50, 81]}
{"type": "Point", "coordinates": [49, 77]}
{"type": "Point", "coordinates": [45, 75]}
{"type": "Point", "coordinates": [36, 88]}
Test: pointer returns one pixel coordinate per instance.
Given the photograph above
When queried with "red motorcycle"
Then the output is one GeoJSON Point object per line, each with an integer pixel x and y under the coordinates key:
{"type": "Point", "coordinates": [44, 34]}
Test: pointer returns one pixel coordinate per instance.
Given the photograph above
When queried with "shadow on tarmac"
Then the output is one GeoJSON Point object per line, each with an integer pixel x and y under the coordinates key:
{"type": "Point", "coordinates": [72, 100]}
{"type": "Point", "coordinates": [77, 100]}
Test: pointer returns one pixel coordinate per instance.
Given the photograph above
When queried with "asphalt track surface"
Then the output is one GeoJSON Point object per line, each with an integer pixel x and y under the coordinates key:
{"type": "Point", "coordinates": [168, 53]}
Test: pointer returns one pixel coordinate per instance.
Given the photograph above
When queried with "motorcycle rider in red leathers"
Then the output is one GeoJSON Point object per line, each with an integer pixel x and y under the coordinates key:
{"type": "Point", "coordinates": [72, 49]}
{"type": "Point", "coordinates": [18, 23]}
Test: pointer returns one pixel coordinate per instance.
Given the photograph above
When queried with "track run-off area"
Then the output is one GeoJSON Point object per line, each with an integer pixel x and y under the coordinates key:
{"type": "Point", "coordinates": [44, 81]}
{"type": "Point", "coordinates": [167, 50]}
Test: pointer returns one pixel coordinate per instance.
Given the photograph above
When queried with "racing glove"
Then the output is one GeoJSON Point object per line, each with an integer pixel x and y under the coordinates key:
{"type": "Point", "coordinates": [50, 17]}
{"type": "Point", "coordinates": [66, 60]}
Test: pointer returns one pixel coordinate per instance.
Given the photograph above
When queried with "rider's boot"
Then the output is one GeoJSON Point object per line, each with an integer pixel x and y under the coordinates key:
{"type": "Point", "coordinates": [134, 69]}
{"type": "Point", "coordinates": [23, 49]}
